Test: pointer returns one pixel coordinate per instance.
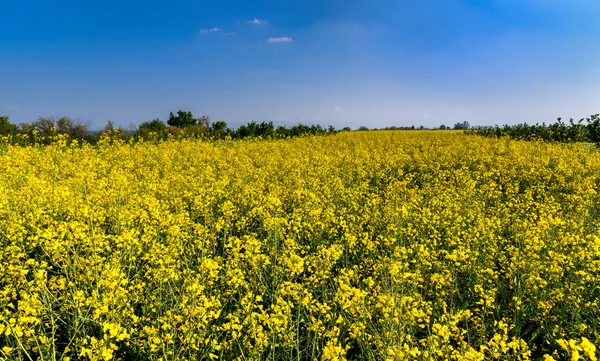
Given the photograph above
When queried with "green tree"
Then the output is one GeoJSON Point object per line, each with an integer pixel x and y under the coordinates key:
{"type": "Point", "coordinates": [182, 119]}
{"type": "Point", "coordinates": [109, 127]}
{"type": "Point", "coordinates": [219, 126]}
{"type": "Point", "coordinates": [593, 128]}
{"type": "Point", "coordinates": [154, 125]}
{"type": "Point", "coordinates": [219, 129]}
{"type": "Point", "coordinates": [461, 125]}
{"type": "Point", "coordinates": [6, 127]}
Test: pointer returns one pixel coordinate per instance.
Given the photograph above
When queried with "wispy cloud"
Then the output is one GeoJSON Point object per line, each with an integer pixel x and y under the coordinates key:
{"type": "Point", "coordinates": [211, 30]}
{"type": "Point", "coordinates": [285, 39]}
{"type": "Point", "coordinates": [256, 21]}
{"type": "Point", "coordinates": [13, 107]}
{"type": "Point", "coordinates": [338, 108]}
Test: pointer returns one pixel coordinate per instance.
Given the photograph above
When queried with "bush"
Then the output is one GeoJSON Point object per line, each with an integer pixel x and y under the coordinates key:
{"type": "Point", "coordinates": [155, 125]}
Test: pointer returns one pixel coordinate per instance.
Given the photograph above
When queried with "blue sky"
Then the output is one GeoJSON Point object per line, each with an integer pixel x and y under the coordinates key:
{"type": "Point", "coordinates": [375, 63]}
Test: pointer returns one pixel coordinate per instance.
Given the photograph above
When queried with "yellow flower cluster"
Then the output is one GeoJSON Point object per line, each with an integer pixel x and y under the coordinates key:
{"type": "Point", "coordinates": [389, 245]}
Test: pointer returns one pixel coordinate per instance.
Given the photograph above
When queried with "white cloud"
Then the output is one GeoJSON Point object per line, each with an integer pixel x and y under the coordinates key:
{"type": "Point", "coordinates": [13, 107]}
{"type": "Point", "coordinates": [285, 39]}
{"type": "Point", "coordinates": [256, 21]}
{"type": "Point", "coordinates": [338, 108]}
{"type": "Point", "coordinates": [211, 30]}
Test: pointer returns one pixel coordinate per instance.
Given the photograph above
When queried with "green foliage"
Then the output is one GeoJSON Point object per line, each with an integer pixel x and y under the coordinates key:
{"type": "Point", "coordinates": [593, 129]}
{"type": "Point", "coordinates": [300, 130]}
{"type": "Point", "coordinates": [254, 129]}
{"type": "Point", "coordinates": [219, 129]}
{"type": "Point", "coordinates": [219, 126]}
{"type": "Point", "coordinates": [182, 125]}
{"type": "Point", "coordinates": [461, 125]}
{"type": "Point", "coordinates": [557, 132]}
{"type": "Point", "coordinates": [155, 125]}
{"type": "Point", "coordinates": [395, 127]}
{"type": "Point", "coordinates": [191, 131]}
{"type": "Point", "coordinates": [7, 128]}
{"type": "Point", "coordinates": [182, 119]}
{"type": "Point", "coordinates": [109, 127]}
{"type": "Point", "coordinates": [113, 132]}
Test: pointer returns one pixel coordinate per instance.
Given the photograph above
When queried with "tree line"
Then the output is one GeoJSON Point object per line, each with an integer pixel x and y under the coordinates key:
{"type": "Point", "coordinates": [184, 121]}
{"type": "Point", "coordinates": [180, 124]}
{"type": "Point", "coordinates": [583, 130]}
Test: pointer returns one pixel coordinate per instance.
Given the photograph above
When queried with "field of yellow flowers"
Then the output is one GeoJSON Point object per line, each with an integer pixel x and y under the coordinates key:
{"type": "Point", "coordinates": [387, 245]}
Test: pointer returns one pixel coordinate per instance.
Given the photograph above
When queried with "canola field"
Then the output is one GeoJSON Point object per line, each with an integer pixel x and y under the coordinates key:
{"type": "Point", "coordinates": [387, 245]}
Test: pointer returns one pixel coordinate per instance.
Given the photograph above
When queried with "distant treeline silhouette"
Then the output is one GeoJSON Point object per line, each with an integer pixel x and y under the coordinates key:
{"type": "Point", "coordinates": [182, 124]}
